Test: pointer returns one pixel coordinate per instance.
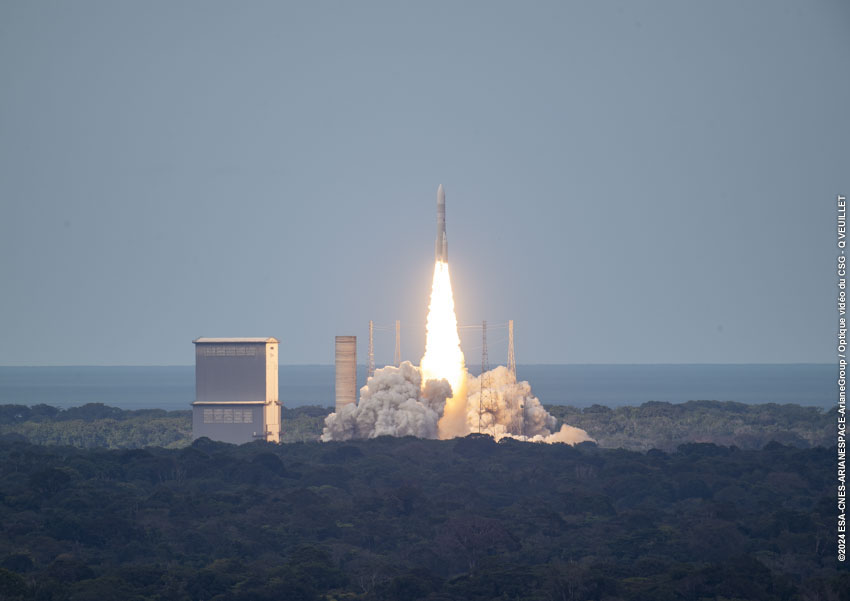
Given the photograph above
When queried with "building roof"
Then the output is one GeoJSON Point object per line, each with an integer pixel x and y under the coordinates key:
{"type": "Point", "coordinates": [229, 403]}
{"type": "Point", "coordinates": [233, 340]}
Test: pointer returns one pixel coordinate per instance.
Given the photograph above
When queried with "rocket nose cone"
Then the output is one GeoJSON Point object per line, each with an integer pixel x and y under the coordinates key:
{"type": "Point", "coordinates": [441, 196]}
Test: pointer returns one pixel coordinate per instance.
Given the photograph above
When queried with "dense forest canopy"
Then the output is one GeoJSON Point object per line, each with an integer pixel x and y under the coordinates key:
{"type": "Point", "coordinates": [406, 518]}
{"type": "Point", "coordinates": [655, 511]}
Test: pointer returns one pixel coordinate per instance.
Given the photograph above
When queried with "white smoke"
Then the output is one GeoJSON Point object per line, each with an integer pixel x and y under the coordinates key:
{"type": "Point", "coordinates": [508, 408]}
{"type": "Point", "coordinates": [395, 403]}
{"type": "Point", "coordinates": [392, 403]}
{"type": "Point", "coordinates": [568, 434]}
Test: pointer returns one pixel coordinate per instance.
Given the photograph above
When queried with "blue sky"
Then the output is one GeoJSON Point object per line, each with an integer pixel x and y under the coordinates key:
{"type": "Point", "coordinates": [631, 182]}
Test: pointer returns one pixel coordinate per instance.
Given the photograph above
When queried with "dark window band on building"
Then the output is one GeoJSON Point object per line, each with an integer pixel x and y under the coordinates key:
{"type": "Point", "coordinates": [228, 416]}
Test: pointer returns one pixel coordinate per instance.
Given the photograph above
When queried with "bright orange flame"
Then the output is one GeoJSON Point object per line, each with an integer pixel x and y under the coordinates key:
{"type": "Point", "coordinates": [443, 358]}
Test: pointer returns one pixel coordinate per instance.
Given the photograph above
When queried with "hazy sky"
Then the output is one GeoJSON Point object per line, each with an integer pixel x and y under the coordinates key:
{"type": "Point", "coordinates": [631, 182]}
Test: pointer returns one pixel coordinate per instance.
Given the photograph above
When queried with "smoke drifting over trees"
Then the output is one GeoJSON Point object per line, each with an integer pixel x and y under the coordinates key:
{"type": "Point", "coordinates": [394, 402]}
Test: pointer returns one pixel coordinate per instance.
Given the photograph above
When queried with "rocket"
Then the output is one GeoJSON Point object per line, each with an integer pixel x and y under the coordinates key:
{"type": "Point", "coordinates": [441, 246]}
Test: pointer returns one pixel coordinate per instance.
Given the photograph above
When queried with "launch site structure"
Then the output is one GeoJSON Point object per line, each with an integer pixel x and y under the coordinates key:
{"type": "Point", "coordinates": [236, 390]}
{"type": "Point", "coordinates": [345, 360]}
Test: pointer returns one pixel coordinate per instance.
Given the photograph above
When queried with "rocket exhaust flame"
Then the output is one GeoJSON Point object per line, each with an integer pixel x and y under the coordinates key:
{"type": "Point", "coordinates": [443, 358]}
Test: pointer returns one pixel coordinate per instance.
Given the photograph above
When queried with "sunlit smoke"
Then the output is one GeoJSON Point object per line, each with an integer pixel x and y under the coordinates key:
{"type": "Point", "coordinates": [393, 403]}
{"type": "Point", "coordinates": [396, 401]}
{"type": "Point", "coordinates": [443, 359]}
{"type": "Point", "coordinates": [507, 408]}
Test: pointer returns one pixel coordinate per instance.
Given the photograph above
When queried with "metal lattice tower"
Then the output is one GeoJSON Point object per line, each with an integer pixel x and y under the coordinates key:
{"type": "Point", "coordinates": [511, 358]}
{"type": "Point", "coordinates": [371, 349]}
{"type": "Point", "coordinates": [484, 400]}
{"type": "Point", "coordinates": [397, 358]}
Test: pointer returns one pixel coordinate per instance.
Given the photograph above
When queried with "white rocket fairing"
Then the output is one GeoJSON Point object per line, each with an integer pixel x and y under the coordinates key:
{"type": "Point", "coordinates": [441, 246]}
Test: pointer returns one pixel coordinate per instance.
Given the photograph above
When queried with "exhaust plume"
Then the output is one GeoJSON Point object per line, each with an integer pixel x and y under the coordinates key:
{"type": "Point", "coordinates": [395, 402]}
{"type": "Point", "coordinates": [443, 359]}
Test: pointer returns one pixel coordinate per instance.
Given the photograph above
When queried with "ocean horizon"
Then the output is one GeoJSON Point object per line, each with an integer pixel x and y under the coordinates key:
{"type": "Point", "coordinates": [579, 385]}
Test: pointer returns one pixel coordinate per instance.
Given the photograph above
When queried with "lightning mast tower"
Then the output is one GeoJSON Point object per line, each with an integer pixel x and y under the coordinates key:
{"type": "Point", "coordinates": [484, 393]}
{"type": "Point", "coordinates": [371, 349]}
{"type": "Point", "coordinates": [397, 358]}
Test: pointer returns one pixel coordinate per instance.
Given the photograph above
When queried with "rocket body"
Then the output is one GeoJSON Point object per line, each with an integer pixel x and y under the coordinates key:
{"type": "Point", "coordinates": [441, 246]}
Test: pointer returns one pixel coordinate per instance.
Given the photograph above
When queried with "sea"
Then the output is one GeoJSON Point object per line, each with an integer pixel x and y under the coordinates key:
{"type": "Point", "coordinates": [173, 387]}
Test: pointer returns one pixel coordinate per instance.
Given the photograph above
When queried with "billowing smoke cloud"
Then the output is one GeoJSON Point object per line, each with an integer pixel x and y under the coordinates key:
{"type": "Point", "coordinates": [394, 402]}
{"type": "Point", "coordinates": [508, 408]}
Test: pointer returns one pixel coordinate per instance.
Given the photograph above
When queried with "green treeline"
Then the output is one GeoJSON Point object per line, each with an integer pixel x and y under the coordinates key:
{"type": "Point", "coordinates": [408, 519]}
{"type": "Point", "coordinates": [652, 425]}
{"type": "Point", "coordinates": [656, 425]}
{"type": "Point", "coordinates": [98, 426]}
